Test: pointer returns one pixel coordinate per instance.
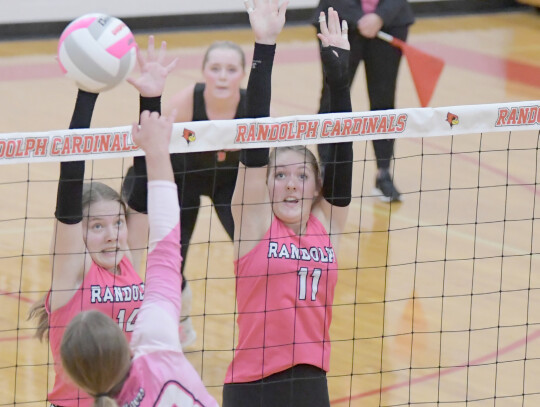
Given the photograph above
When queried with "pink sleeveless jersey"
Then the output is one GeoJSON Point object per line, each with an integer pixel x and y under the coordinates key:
{"type": "Point", "coordinates": [285, 290]}
{"type": "Point", "coordinates": [369, 6]}
{"type": "Point", "coordinates": [160, 375]}
{"type": "Point", "coordinates": [118, 296]}
{"type": "Point", "coordinates": [165, 379]}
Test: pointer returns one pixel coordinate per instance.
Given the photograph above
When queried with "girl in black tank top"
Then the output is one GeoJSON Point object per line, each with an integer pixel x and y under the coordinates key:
{"type": "Point", "coordinates": [212, 174]}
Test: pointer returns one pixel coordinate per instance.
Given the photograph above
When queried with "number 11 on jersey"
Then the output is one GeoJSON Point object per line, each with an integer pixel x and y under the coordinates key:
{"type": "Point", "coordinates": [303, 276]}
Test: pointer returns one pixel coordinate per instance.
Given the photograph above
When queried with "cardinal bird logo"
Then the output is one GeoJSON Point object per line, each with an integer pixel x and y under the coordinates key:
{"type": "Point", "coordinates": [189, 135]}
{"type": "Point", "coordinates": [452, 119]}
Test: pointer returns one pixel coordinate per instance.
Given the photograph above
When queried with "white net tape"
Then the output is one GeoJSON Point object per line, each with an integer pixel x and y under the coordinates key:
{"type": "Point", "coordinates": [98, 143]}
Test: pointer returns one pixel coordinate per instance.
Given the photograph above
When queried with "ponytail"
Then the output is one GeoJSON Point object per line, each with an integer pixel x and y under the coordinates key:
{"type": "Point", "coordinates": [39, 312]}
{"type": "Point", "coordinates": [104, 400]}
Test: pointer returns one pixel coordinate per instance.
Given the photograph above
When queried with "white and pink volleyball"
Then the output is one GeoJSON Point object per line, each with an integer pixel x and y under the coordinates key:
{"type": "Point", "coordinates": [97, 51]}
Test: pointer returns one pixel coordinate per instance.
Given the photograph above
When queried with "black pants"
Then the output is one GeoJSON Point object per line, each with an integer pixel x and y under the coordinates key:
{"type": "Point", "coordinates": [381, 62]}
{"type": "Point", "coordinates": [197, 174]}
{"type": "Point", "coordinates": [191, 186]}
{"type": "Point", "coordinates": [299, 386]}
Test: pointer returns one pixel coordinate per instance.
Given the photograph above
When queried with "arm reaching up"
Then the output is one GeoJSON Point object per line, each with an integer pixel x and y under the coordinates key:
{"type": "Point", "coordinates": [68, 245]}
{"type": "Point", "coordinates": [267, 19]}
{"type": "Point", "coordinates": [150, 84]}
{"type": "Point", "coordinates": [162, 291]}
{"type": "Point", "coordinates": [337, 158]}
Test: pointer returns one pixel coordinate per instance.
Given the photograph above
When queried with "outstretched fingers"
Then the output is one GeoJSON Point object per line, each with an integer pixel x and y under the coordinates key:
{"type": "Point", "coordinates": [150, 49]}
{"type": "Point", "coordinates": [345, 30]}
{"type": "Point", "coordinates": [333, 21]}
{"type": "Point", "coordinates": [282, 9]}
{"type": "Point", "coordinates": [333, 32]}
{"type": "Point", "coordinates": [162, 56]}
{"type": "Point", "coordinates": [162, 52]}
{"type": "Point", "coordinates": [267, 18]}
{"type": "Point", "coordinates": [324, 30]}
{"type": "Point", "coordinates": [153, 70]}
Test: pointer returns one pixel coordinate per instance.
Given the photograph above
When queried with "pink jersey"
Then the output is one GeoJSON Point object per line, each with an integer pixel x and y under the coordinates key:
{"type": "Point", "coordinates": [160, 374]}
{"type": "Point", "coordinates": [285, 289]}
{"type": "Point", "coordinates": [369, 6]}
{"type": "Point", "coordinates": [116, 295]}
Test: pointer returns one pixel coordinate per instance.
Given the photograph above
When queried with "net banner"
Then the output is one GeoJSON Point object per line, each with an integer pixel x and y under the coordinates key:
{"type": "Point", "coordinates": [98, 143]}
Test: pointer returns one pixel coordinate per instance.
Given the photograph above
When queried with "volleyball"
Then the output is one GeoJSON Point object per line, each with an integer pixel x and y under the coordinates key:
{"type": "Point", "coordinates": [97, 51]}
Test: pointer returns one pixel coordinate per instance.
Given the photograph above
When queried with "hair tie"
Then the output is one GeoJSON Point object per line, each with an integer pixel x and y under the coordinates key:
{"type": "Point", "coordinates": [102, 395]}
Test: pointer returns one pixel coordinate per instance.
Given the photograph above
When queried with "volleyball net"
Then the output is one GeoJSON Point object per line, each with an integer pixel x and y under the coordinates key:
{"type": "Point", "coordinates": [438, 297]}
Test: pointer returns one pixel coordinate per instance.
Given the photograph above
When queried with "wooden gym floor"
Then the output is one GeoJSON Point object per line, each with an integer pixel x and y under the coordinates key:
{"type": "Point", "coordinates": [397, 278]}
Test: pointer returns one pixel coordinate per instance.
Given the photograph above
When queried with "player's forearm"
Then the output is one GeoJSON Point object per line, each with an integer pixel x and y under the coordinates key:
{"type": "Point", "coordinates": [70, 185]}
{"type": "Point", "coordinates": [159, 167]}
{"type": "Point", "coordinates": [258, 96]}
{"type": "Point", "coordinates": [138, 196]}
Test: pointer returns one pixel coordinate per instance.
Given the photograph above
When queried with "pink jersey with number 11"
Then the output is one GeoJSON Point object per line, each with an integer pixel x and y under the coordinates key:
{"type": "Point", "coordinates": [285, 290]}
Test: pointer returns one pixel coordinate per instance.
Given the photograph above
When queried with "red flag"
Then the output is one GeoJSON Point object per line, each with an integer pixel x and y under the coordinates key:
{"type": "Point", "coordinates": [425, 69]}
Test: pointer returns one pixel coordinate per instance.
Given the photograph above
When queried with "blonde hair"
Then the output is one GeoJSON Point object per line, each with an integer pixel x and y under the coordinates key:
{"type": "Point", "coordinates": [38, 311]}
{"type": "Point", "coordinates": [95, 354]}
{"type": "Point", "coordinates": [92, 192]}
{"type": "Point", "coordinates": [225, 45]}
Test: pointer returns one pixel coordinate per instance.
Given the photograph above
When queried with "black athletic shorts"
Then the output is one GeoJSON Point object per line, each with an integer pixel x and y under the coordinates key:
{"type": "Point", "coordinates": [299, 386]}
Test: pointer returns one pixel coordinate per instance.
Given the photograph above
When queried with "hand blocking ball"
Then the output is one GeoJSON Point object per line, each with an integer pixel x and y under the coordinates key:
{"type": "Point", "coordinates": [97, 51]}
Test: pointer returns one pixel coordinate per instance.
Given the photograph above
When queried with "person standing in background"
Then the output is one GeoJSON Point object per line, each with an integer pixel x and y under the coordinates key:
{"type": "Point", "coordinates": [365, 18]}
{"type": "Point", "coordinates": [209, 173]}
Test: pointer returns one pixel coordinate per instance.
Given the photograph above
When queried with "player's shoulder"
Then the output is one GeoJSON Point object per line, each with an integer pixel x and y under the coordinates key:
{"type": "Point", "coordinates": [182, 101]}
{"type": "Point", "coordinates": [184, 95]}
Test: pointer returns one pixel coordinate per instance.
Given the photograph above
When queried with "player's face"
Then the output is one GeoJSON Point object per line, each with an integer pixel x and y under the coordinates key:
{"type": "Point", "coordinates": [292, 186]}
{"type": "Point", "coordinates": [105, 233]}
{"type": "Point", "coordinates": [223, 72]}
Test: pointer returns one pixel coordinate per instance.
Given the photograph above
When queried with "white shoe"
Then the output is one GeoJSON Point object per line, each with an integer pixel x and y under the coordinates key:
{"type": "Point", "coordinates": [187, 333]}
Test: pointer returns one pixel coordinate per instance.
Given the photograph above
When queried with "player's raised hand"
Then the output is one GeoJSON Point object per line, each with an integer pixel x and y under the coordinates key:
{"type": "Point", "coordinates": [154, 70]}
{"type": "Point", "coordinates": [153, 134]}
{"type": "Point", "coordinates": [332, 32]}
{"type": "Point", "coordinates": [335, 49]}
{"type": "Point", "coordinates": [267, 19]}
